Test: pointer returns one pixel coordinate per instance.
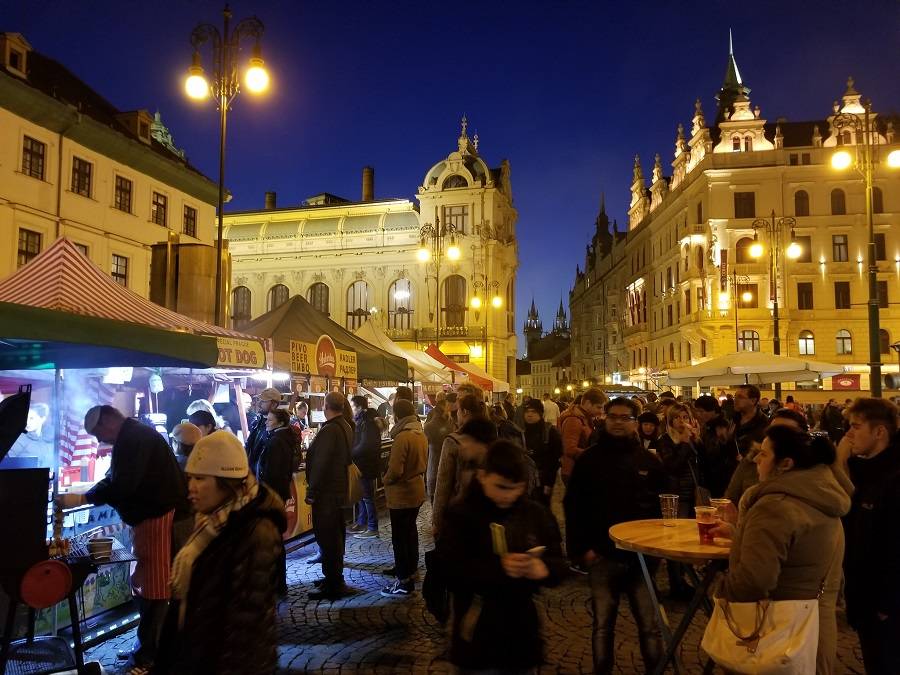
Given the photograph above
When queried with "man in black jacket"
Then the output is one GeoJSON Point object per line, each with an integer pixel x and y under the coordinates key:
{"type": "Point", "coordinates": [872, 528]}
{"type": "Point", "coordinates": [366, 454]}
{"type": "Point", "coordinates": [326, 475]}
{"type": "Point", "coordinates": [544, 444]}
{"type": "Point", "coordinates": [614, 481]}
{"type": "Point", "coordinates": [146, 486]}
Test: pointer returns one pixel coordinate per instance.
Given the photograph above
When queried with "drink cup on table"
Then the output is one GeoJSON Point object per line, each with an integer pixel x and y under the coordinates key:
{"type": "Point", "coordinates": [723, 508]}
{"type": "Point", "coordinates": [668, 504]}
{"type": "Point", "coordinates": [706, 521]}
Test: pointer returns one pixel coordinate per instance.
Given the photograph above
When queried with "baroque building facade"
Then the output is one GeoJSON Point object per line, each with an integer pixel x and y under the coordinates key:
{"type": "Point", "coordinates": [679, 285]}
{"type": "Point", "coordinates": [357, 261]}
{"type": "Point", "coordinates": [73, 165]}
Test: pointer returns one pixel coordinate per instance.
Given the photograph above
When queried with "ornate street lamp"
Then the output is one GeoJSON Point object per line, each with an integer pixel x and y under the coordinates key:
{"type": "Point", "coordinates": [435, 241]}
{"type": "Point", "coordinates": [775, 228]}
{"type": "Point", "coordinates": [864, 159]}
{"type": "Point", "coordinates": [225, 86]}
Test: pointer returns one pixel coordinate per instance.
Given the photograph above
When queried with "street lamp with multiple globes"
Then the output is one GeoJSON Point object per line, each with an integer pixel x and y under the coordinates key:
{"type": "Point", "coordinates": [225, 86]}
{"type": "Point", "coordinates": [864, 159]}
{"type": "Point", "coordinates": [476, 304]}
{"type": "Point", "coordinates": [775, 228]}
{"type": "Point", "coordinates": [432, 241]}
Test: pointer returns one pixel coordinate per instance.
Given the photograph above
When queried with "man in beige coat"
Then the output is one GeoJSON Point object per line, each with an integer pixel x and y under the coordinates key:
{"type": "Point", "coordinates": [404, 491]}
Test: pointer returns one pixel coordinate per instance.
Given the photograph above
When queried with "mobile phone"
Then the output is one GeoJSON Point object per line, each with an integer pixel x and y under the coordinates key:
{"type": "Point", "coordinates": [498, 539]}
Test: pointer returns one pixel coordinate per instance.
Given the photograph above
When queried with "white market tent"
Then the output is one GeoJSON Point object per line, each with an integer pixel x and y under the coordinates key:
{"type": "Point", "coordinates": [424, 367]}
{"type": "Point", "coordinates": [751, 367]}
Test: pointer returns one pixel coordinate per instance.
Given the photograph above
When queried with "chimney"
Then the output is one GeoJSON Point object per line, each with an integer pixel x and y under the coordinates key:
{"type": "Point", "coordinates": [368, 184]}
{"type": "Point", "coordinates": [270, 201]}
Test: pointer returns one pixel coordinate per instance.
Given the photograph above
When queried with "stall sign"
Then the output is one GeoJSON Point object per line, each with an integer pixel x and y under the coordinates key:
{"type": "Point", "coordinates": [237, 353]}
{"type": "Point", "coordinates": [322, 358]}
{"type": "Point", "coordinates": [846, 381]}
{"type": "Point", "coordinates": [302, 357]}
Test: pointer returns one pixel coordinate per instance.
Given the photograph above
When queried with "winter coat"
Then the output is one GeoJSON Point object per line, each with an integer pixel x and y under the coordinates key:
{"type": "Point", "coordinates": [680, 461]}
{"type": "Point", "coordinates": [506, 630]}
{"type": "Point", "coordinates": [436, 431]}
{"type": "Point", "coordinates": [575, 427]}
{"type": "Point", "coordinates": [255, 432]}
{"type": "Point", "coordinates": [745, 476]}
{"type": "Point", "coordinates": [754, 431]}
{"type": "Point", "coordinates": [366, 450]}
{"type": "Point", "coordinates": [719, 458]}
{"type": "Point", "coordinates": [872, 562]}
{"type": "Point", "coordinates": [404, 480]}
{"type": "Point", "coordinates": [229, 622]}
{"type": "Point", "coordinates": [460, 458]}
{"type": "Point", "coordinates": [613, 481]}
{"type": "Point", "coordinates": [144, 480]}
{"type": "Point", "coordinates": [276, 463]}
{"type": "Point", "coordinates": [545, 445]}
{"type": "Point", "coordinates": [789, 539]}
{"type": "Point", "coordinates": [327, 459]}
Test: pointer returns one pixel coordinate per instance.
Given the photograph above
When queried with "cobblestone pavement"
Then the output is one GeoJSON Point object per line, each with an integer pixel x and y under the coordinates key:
{"type": "Point", "coordinates": [367, 633]}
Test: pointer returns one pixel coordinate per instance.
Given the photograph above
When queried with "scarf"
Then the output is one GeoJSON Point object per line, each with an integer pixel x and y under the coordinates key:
{"type": "Point", "coordinates": [206, 528]}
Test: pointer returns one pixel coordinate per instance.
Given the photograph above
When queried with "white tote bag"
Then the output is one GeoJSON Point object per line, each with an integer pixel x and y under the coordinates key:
{"type": "Point", "coordinates": [768, 637]}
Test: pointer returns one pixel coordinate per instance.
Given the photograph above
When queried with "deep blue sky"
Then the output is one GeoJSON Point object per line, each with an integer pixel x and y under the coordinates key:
{"type": "Point", "coordinates": [567, 91]}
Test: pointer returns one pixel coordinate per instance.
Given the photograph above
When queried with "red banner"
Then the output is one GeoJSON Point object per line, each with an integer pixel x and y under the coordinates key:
{"type": "Point", "coordinates": [846, 382]}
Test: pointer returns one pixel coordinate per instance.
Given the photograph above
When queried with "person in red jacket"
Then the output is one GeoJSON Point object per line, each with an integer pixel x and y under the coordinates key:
{"type": "Point", "coordinates": [576, 425]}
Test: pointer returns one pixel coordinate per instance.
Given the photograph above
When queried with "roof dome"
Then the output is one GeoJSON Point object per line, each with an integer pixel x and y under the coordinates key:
{"type": "Point", "coordinates": [461, 169]}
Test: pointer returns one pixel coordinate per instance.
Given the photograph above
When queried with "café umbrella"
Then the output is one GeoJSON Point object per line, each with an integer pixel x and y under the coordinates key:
{"type": "Point", "coordinates": [751, 368]}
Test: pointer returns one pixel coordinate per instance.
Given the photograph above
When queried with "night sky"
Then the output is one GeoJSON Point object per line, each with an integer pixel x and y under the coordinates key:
{"type": "Point", "coordinates": [567, 91]}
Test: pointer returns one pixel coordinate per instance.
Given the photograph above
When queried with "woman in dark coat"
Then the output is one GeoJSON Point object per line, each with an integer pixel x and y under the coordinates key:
{"type": "Point", "coordinates": [222, 616]}
{"type": "Point", "coordinates": [280, 454]}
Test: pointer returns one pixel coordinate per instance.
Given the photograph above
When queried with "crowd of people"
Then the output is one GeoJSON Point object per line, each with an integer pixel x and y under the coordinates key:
{"type": "Point", "coordinates": [814, 515]}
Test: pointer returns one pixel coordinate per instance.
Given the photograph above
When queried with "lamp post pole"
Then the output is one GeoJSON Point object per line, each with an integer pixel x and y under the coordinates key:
{"type": "Point", "coordinates": [431, 245]}
{"type": "Point", "coordinates": [774, 228]}
{"type": "Point", "coordinates": [225, 87]}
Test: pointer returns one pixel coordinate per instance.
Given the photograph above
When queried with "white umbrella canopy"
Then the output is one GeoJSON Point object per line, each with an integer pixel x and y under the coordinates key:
{"type": "Point", "coordinates": [753, 367]}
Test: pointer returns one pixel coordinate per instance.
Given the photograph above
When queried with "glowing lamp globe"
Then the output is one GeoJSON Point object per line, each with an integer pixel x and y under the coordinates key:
{"type": "Point", "coordinates": [756, 250]}
{"type": "Point", "coordinates": [256, 78]}
{"type": "Point", "coordinates": [453, 252]}
{"type": "Point", "coordinates": [794, 250]}
{"type": "Point", "coordinates": [893, 159]}
{"type": "Point", "coordinates": [196, 86]}
{"type": "Point", "coordinates": [497, 301]}
{"type": "Point", "coordinates": [841, 160]}
{"type": "Point", "coordinates": [475, 303]}
{"type": "Point", "coordinates": [746, 296]}
{"type": "Point", "coordinates": [423, 254]}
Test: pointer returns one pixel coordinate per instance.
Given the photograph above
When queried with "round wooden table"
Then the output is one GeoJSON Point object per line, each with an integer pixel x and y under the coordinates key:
{"type": "Point", "coordinates": [680, 543]}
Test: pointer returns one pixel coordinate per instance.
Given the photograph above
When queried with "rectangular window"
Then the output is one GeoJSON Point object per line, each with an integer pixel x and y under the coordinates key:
{"type": "Point", "coordinates": [83, 249]}
{"type": "Point", "coordinates": [880, 246]}
{"type": "Point", "coordinates": [687, 301]}
{"type": "Point", "coordinates": [458, 216]}
{"type": "Point", "coordinates": [794, 159]}
{"type": "Point", "coordinates": [190, 221]}
{"type": "Point", "coordinates": [81, 176]}
{"type": "Point", "coordinates": [840, 248]}
{"type": "Point", "coordinates": [29, 246]}
{"type": "Point", "coordinates": [123, 194]}
{"type": "Point", "coordinates": [842, 295]}
{"type": "Point", "coordinates": [119, 270]}
{"type": "Point", "coordinates": [33, 152]}
{"type": "Point", "coordinates": [805, 159]}
{"type": "Point", "coordinates": [882, 289]}
{"type": "Point", "coordinates": [745, 205]}
{"type": "Point", "coordinates": [805, 248]}
{"type": "Point", "coordinates": [702, 348]}
{"type": "Point", "coordinates": [158, 208]}
{"type": "Point", "coordinates": [669, 315]}
{"type": "Point", "coordinates": [804, 295]}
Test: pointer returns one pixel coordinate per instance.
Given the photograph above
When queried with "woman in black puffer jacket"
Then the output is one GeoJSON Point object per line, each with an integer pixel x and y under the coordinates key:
{"type": "Point", "coordinates": [224, 579]}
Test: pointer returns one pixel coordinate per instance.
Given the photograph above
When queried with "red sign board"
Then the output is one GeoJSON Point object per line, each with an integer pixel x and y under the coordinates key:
{"type": "Point", "coordinates": [847, 382]}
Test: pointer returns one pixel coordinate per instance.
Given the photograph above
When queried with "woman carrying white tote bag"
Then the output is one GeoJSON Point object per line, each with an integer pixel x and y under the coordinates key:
{"type": "Point", "coordinates": [776, 613]}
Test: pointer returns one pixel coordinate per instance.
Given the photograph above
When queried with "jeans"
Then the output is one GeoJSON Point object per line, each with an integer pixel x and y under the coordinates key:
{"type": "Point", "coordinates": [405, 539]}
{"type": "Point", "coordinates": [328, 525]}
{"type": "Point", "coordinates": [366, 513]}
{"type": "Point", "coordinates": [610, 578]}
{"type": "Point", "coordinates": [878, 639]}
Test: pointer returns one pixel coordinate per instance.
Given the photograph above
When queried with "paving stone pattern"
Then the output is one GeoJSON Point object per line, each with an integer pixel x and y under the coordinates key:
{"type": "Point", "coordinates": [371, 634]}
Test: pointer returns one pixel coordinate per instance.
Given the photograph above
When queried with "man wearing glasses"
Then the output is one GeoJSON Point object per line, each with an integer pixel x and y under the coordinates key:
{"type": "Point", "coordinates": [614, 481]}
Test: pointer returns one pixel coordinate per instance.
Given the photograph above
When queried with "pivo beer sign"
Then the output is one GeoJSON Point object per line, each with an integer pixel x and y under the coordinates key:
{"type": "Point", "coordinates": [322, 358]}
{"type": "Point", "coordinates": [237, 353]}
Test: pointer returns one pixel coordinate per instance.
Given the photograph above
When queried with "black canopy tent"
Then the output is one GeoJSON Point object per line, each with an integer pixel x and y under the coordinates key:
{"type": "Point", "coordinates": [296, 319]}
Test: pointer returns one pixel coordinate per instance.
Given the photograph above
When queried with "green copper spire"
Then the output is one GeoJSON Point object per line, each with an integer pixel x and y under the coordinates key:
{"type": "Point", "coordinates": [733, 85]}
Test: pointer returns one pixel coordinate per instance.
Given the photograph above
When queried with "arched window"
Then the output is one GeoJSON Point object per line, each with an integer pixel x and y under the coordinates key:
{"type": "Point", "coordinates": [838, 202]}
{"type": "Point", "coordinates": [748, 143]}
{"type": "Point", "coordinates": [317, 295]}
{"type": "Point", "coordinates": [884, 341]}
{"type": "Point", "coordinates": [400, 305]}
{"type": "Point", "coordinates": [801, 203]}
{"type": "Point", "coordinates": [844, 343]}
{"type": "Point", "coordinates": [278, 295]}
{"type": "Point", "coordinates": [240, 306]}
{"type": "Point", "coordinates": [846, 138]}
{"type": "Point", "coordinates": [748, 341]}
{"type": "Point", "coordinates": [454, 301]}
{"type": "Point", "coordinates": [807, 343]}
{"type": "Point", "coordinates": [736, 144]}
{"type": "Point", "coordinates": [877, 200]}
{"type": "Point", "coordinates": [455, 181]}
{"type": "Point", "coordinates": [357, 304]}
{"type": "Point", "coordinates": [742, 250]}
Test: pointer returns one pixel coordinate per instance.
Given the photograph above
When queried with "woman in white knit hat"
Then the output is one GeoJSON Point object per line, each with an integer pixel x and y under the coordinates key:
{"type": "Point", "coordinates": [224, 579]}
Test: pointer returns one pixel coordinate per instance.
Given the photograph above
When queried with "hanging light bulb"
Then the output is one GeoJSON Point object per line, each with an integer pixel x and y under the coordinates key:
{"type": "Point", "coordinates": [257, 77]}
{"type": "Point", "coordinates": [196, 86]}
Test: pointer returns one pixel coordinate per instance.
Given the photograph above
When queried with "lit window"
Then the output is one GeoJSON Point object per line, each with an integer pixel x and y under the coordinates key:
{"type": "Point", "coordinates": [748, 341]}
{"type": "Point", "coordinates": [33, 152]}
{"type": "Point", "coordinates": [844, 343]}
{"type": "Point", "coordinates": [29, 247]}
{"type": "Point", "coordinates": [81, 176]}
{"type": "Point", "coordinates": [158, 207]}
{"type": "Point", "coordinates": [807, 343]}
{"type": "Point", "coordinates": [400, 305]}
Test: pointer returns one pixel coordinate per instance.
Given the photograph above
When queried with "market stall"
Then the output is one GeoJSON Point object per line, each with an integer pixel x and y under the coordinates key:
{"type": "Point", "coordinates": [81, 339]}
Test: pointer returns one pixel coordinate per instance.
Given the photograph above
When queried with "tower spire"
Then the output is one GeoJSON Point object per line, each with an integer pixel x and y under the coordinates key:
{"type": "Point", "coordinates": [732, 85]}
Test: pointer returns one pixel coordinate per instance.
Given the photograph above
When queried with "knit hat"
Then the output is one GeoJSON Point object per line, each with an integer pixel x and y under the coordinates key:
{"type": "Point", "coordinates": [535, 405]}
{"type": "Point", "coordinates": [648, 417]}
{"type": "Point", "coordinates": [186, 433]}
{"type": "Point", "coordinates": [270, 394]}
{"type": "Point", "coordinates": [202, 418]}
{"type": "Point", "coordinates": [219, 454]}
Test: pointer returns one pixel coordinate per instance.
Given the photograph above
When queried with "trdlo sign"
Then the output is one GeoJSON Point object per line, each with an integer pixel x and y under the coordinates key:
{"type": "Point", "coordinates": [322, 358]}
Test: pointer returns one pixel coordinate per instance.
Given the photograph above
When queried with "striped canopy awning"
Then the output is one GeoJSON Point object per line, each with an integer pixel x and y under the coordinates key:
{"type": "Point", "coordinates": [61, 298]}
